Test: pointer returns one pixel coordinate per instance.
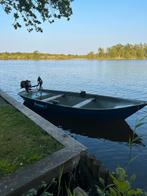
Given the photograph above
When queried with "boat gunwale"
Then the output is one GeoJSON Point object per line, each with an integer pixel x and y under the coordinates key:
{"type": "Point", "coordinates": [139, 103]}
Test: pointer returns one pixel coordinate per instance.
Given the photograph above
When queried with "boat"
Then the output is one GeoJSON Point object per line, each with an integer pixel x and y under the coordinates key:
{"type": "Point", "coordinates": [82, 105]}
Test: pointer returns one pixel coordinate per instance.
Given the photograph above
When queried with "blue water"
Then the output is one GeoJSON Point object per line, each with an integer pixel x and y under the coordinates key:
{"type": "Point", "coordinates": [125, 78]}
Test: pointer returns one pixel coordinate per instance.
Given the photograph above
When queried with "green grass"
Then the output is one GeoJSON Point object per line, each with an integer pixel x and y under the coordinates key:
{"type": "Point", "coordinates": [22, 142]}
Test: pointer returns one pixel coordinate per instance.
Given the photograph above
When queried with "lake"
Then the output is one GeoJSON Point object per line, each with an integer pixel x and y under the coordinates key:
{"type": "Point", "coordinates": [125, 78]}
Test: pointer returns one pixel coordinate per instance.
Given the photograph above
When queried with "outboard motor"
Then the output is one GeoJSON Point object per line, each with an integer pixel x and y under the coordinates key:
{"type": "Point", "coordinates": [26, 84]}
{"type": "Point", "coordinates": [29, 83]}
{"type": "Point", "coordinates": [22, 84]}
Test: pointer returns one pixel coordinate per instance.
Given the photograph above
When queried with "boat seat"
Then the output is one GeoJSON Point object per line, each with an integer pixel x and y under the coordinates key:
{"type": "Point", "coordinates": [83, 103]}
{"type": "Point", "coordinates": [52, 98]}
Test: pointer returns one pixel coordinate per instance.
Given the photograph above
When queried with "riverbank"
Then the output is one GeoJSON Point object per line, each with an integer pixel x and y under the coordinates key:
{"type": "Point", "coordinates": [66, 156]}
{"type": "Point", "coordinates": [21, 141]}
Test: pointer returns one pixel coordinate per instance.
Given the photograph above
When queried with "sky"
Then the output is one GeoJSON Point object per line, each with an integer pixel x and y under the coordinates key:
{"type": "Point", "coordinates": [94, 24]}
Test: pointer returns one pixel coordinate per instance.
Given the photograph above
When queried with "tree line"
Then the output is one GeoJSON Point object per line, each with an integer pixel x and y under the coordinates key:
{"type": "Point", "coordinates": [34, 56]}
{"type": "Point", "coordinates": [119, 51]}
{"type": "Point", "coordinates": [128, 51]}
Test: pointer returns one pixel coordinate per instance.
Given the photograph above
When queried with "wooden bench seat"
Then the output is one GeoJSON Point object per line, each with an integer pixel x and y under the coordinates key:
{"type": "Point", "coordinates": [52, 98]}
{"type": "Point", "coordinates": [83, 103]}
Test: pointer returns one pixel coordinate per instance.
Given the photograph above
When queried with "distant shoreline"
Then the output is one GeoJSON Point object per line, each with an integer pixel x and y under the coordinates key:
{"type": "Point", "coordinates": [58, 59]}
{"type": "Point", "coordinates": [44, 56]}
{"type": "Point", "coordinates": [117, 52]}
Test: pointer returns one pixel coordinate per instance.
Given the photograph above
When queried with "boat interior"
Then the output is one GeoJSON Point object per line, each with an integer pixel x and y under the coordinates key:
{"type": "Point", "coordinates": [80, 100]}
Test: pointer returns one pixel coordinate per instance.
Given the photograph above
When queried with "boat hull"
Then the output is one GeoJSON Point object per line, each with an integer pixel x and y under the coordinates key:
{"type": "Point", "coordinates": [48, 111]}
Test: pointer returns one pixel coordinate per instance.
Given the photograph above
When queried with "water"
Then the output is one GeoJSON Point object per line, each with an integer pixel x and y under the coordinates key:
{"type": "Point", "coordinates": [127, 79]}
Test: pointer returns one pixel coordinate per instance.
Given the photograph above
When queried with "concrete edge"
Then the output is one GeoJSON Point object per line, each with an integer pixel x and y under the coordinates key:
{"type": "Point", "coordinates": [44, 170]}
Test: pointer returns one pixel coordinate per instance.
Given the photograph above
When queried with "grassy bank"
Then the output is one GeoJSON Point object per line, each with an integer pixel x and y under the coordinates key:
{"type": "Point", "coordinates": [21, 141]}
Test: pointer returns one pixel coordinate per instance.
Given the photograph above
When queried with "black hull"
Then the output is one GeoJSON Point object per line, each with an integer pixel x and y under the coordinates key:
{"type": "Point", "coordinates": [48, 110]}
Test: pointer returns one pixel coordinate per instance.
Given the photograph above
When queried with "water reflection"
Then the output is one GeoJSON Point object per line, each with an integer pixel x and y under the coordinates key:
{"type": "Point", "coordinates": [111, 130]}
{"type": "Point", "coordinates": [114, 130]}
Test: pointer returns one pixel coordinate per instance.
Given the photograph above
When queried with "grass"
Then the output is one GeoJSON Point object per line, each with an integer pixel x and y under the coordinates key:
{"type": "Point", "coordinates": [22, 142]}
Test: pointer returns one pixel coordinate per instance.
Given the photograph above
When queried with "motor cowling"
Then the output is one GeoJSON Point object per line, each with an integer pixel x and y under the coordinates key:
{"type": "Point", "coordinates": [23, 84]}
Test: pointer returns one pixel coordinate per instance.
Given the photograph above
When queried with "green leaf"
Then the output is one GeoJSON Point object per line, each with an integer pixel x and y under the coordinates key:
{"type": "Point", "coordinates": [139, 124]}
{"type": "Point", "coordinates": [121, 173]}
{"type": "Point", "coordinates": [134, 192]}
{"type": "Point", "coordinates": [100, 191]}
{"type": "Point", "coordinates": [102, 182]}
{"type": "Point", "coordinates": [122, 186]}
{"type": "Point", "coordinates": [113, 192]}
{"type": "Point", "coordinates": [132, 159]}
{"type": "Point", "coordinates": [133, 178]}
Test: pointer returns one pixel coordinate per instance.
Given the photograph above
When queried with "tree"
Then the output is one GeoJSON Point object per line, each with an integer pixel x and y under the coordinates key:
{"type": "Point", "coordinates": [91, 55]}
{"type": "Point", "coordinates": [34, 12]}
{"type": "Point", "coordinates": [101, 52]}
